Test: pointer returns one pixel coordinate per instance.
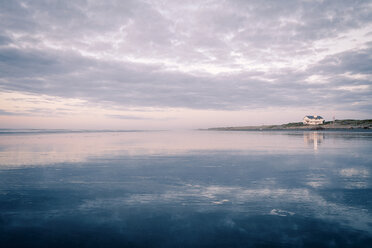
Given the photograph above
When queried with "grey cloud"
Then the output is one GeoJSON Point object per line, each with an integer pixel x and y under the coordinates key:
{"type": "Point", "coordinates": [129, 84]}
{"type": "Point", "coordinates": [48, 40]}
{"type": "Point", "coordinates": [15, 18]}
{"type": "Point", "coordinates": [4, 40]}
{"type": "Point", "coordinates": [3, 112]}
{"type": "Point", "coordinates": [35, 112]}
{"type": "Point", "coordinates": [359, 61]}
{"type": "Point", "coordinates": [178, 35]}
{"type": "Point", "coordinates": [128, 117]}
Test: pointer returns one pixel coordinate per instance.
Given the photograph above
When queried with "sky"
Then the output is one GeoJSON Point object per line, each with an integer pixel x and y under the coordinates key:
{"type": "Point", "coordinates": [170, 64]}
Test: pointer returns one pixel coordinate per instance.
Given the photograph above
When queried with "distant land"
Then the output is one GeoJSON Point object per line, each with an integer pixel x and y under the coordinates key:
{"type": "Point", "coordinates": [347, 124]}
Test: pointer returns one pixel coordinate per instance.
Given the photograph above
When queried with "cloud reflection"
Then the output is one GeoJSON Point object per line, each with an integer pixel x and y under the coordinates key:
{"type": "Point", "coordinates": [247, 201]}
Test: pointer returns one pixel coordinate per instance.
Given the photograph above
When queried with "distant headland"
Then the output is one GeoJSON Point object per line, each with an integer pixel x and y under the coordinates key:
{"type": "Point", "coordinates": [347, 124]}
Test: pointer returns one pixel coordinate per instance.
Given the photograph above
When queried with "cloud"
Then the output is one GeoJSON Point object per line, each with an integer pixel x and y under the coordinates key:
{"type": "Point", "coordinates": [3, 112]}
{"type": "Point", "coordinates": [205, 55]}
{"type": "Point", "coordinates": [128, 117]}
{"type": "Point", "coordinates": [354, 61]}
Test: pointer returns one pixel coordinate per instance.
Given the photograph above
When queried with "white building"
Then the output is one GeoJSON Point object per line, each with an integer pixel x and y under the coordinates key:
{"type": "Point", "coordinates": [313, 120]}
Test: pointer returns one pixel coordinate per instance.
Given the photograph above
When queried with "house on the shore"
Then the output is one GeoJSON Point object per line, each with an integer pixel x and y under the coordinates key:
{"type": "Point", "coordinates": [313, 120]}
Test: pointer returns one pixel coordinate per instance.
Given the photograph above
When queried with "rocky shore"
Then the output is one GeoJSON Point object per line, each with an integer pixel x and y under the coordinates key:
{"type": "Point", "coordinates": [347, 124]}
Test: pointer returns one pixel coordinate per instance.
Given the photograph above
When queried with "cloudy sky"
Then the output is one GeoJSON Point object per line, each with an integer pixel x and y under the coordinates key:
{"type": "Point", "coordinates": [182, 64]}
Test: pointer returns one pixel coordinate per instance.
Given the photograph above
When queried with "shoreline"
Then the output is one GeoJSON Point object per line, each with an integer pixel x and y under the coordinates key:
{"type": "Point", "coordinates": [337, 125]}
{"type": "Point", "coordinates": [291, 130]}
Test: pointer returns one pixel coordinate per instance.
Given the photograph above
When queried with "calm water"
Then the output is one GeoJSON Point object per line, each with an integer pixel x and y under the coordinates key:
{"type": "Point", "coordinates": [186, 189]}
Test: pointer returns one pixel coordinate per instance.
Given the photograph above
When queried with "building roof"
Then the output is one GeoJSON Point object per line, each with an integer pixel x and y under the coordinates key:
{"type": "Point", "coordinates": [315, 117]}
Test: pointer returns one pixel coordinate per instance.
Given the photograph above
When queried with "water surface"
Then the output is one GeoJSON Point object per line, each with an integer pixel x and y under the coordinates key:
{"type": "Point", "coordinates": [186, 189]}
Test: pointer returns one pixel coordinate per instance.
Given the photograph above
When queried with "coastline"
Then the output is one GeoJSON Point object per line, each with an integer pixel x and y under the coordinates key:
{"type": "Point", "coordinates": [337, 125]}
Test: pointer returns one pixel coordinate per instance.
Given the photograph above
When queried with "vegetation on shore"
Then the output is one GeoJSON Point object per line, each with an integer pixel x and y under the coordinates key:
{"type": "Point", "coordinates": [337, 124]}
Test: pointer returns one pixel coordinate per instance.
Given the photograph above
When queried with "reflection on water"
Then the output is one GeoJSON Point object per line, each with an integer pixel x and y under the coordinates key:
{"type": "Point", "coordinates": [313, 138]}
{"type": "Point", "coordinates": [186, 189]}
{"type": "Point", "coordinates": [50, 148]}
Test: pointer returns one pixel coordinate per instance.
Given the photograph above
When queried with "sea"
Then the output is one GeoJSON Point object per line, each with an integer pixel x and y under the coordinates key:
{"type": "Point", "coordinates": [76, 188]}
